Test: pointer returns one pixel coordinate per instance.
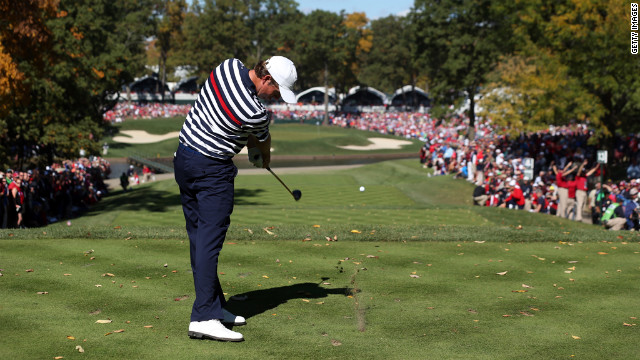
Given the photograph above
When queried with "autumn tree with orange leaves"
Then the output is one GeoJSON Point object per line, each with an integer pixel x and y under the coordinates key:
{"type": "Point", "coordinates": [61, 63]}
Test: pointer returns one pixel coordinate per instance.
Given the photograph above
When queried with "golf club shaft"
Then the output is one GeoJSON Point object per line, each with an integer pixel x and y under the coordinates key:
{"type": "Point", "coordinates": [283, 184]}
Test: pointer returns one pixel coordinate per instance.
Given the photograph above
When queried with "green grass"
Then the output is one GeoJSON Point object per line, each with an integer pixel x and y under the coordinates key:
{"type": "Point", "coordinates": [288, 139]}
{"type": "Point", "coordinates": [418, 280]}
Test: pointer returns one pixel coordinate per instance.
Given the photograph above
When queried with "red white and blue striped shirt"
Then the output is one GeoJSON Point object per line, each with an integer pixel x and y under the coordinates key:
{"type": "Point", "coordinates": [226, 111]}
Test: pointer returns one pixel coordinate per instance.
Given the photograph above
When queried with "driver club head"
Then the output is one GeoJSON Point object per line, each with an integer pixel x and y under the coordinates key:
{"type": "Point", "coordinates": [297, 194]}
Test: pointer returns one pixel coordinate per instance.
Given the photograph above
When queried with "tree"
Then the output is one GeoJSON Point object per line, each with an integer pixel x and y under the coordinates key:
{"type": "Point", "coordinates": [459, 42]}
{"type": "Point", "coordinates": [388, 65]}
{"type": "Point", "coordinates": [266, 19]}
{"type": "Point", "coordinates": [172, 13]}
{"type": "Point", "coordinates": [354, 41]}
{"type": "Point", "coordinates": [591, 39]}
{"type": "Point", "coordinates": [24, 38]}
{"type": "Point", "coordinates": [531, 93]}
{"type": "Point", "coordinates": [214, 31]}
{"type": "Point", "coordinates": [84, 53]}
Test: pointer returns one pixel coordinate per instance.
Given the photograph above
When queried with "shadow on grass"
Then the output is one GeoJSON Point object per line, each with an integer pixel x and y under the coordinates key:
{"type": "Point", "coordinates": [246, 196]}
{"type": "Point", "coordinates": [155, 200]}
{"type": "Point", "coordinates": [148, 199]}
{"type": "Point", "coordinates": [260, 301]}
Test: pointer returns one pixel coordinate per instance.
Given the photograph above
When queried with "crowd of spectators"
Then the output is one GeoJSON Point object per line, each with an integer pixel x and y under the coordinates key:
{"type": "Point", "coordinates": [132, 110]}
{"type": "Point", "coordinates": [39, 197]}
{"type": "Point", "coordinates": [567, 180]}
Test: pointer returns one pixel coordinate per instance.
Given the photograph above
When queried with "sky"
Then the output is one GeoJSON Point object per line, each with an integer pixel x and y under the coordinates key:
{"type": "Point", "coordinates": [373, 8]}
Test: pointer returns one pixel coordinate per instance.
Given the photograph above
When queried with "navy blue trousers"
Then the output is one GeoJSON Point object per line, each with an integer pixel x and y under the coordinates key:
{"type": "Point", "coordinates": [206, 191]}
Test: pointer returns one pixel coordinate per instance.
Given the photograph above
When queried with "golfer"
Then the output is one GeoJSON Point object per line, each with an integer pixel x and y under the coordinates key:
{"type": "Point", "coordinates": [226, 116]}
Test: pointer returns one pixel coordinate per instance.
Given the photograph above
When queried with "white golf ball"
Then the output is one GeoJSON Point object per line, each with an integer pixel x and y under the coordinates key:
{"type": "Point", "coordinates": [361, 188]}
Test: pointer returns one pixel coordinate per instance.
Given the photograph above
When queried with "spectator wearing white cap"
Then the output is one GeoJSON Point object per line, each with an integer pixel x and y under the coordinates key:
{"type": "Point", "coordinates": [515, 200]}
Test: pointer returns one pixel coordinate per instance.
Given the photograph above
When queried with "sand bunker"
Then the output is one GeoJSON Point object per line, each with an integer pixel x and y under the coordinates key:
{"type": "Point", "coordinates": [379, 144]}
{"type": "Point", "coordinates": [143, 137]}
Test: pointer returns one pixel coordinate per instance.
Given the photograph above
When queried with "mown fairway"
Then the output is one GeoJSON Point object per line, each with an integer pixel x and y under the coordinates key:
{"type": "Point", "coordinates": [288, 139]}
{"type": "Point", "coordinates": [416, 273]}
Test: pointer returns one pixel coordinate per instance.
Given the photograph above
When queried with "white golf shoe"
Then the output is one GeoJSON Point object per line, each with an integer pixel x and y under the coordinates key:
{"type": "Point", "coordinates": [212, 329]}
{"type": "Point", "coordinates": [236, 320]}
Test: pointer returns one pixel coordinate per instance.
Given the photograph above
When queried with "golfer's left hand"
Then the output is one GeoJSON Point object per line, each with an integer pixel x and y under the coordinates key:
{"type": "Point", "coordinates": [255, 157]}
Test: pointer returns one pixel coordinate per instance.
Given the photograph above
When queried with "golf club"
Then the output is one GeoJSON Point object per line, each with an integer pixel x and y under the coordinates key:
{"type": "Point", "coordinates": [297, 194]}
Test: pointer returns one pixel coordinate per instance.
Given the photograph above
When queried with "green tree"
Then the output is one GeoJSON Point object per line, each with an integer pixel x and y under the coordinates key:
{"type": "Point", "coordinates": [266, 20]}
{"type": "Point", "coordinates": [215, 30]}
{"type": "Point", "coordinates": [389, 64]}
{"type": "Point", "coordinates": [458, 43]}
{"type": "Point", "coordinates": [592, 39]}
{"type": "Point", "coordinates": [529, 94]}
{"type": "Point", "coordinates": [169, 30]}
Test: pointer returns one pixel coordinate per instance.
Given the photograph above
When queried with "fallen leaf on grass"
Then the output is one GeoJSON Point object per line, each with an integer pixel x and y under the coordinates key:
{"type": "Point", "coordinates": [58, 357]}
{"type": "Point", "coordinates": [335, 342]}
{"type": "Point", "coordinates": [29, 270]}
{"type": "Point", "coordinates": [602, 253]}
{"type": "Point", "coordinates": [625, 324]}
{"type": "Point", "coordinates": [118, 331]}
{"type": "Point", "coordinates": [519, 291]}
{"type": "Point", "coordinates": [356, 231]}
{"type": "Point", "coordinates": [479, 242]}
{"type": "Point", "coordinates": [42, 292]}
{"type": "Point", "coordinates": [183, 297]}
{"type": "Point", "coordinates": [414, 276]}
{"type": "Point", "coordinates": [71, 337]}
{"type": "Point", "coordinates": [575, 337]}
{"type": "Point", "coordinates": [502, 273]}
{"type": "Point", "coordinates": [316, 226]}
{"type": "Point", "coordinates": [108, 321]}
{"type": "Point", "coordinates": [148, 326]}
{"type": "Point", "coordinates": [249, 231]}
{"type": "Point", "coordinates": [108, 274]}
{"type": "Point", "coordinates": [80, 349]}
{"type": "Point", "coordinates": [527, 286]}
{"type": "Point", "coordinates": [67, 274]}
{"type": "Point", "coordinates": [267, 231]}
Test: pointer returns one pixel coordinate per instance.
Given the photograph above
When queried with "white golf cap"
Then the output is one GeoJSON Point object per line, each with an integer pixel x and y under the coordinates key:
{"type": "Point", "coordinates": [284, 73]}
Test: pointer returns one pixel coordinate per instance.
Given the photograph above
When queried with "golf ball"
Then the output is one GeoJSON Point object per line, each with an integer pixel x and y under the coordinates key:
{"type": "Point", "coordinates": [361, 188]}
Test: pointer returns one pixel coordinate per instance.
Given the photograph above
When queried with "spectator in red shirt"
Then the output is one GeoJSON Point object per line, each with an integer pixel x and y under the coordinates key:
{"type": "Point", "coordinates": [581, 187]}
{"type": "Point", "coordinates": [515, 200]}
